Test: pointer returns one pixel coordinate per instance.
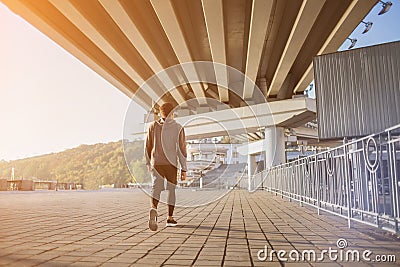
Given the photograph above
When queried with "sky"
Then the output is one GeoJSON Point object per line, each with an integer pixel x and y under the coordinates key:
{"type": "Point", "coordinates": [50, 101]}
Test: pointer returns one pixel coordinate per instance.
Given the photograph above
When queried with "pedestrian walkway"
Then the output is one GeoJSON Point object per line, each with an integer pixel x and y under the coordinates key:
{"type": "Point", "coordinates": [109, 228]}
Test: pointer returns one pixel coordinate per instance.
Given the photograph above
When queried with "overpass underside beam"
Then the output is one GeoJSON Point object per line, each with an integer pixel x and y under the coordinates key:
{"type": "Point", "coordinates": [127, 42]}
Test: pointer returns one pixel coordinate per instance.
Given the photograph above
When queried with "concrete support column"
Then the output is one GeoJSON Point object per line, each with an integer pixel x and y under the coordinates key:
{"type": "Point", "coordinates": [274, 146]}
{"type": "Point", "coordinates": [251, 168]}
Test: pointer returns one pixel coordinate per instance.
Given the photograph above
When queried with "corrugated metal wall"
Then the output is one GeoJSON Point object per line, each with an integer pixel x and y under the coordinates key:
{"type": "Point", "coordinates": [358, 91]}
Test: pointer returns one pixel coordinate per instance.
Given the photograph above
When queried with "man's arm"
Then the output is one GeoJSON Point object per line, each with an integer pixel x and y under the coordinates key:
{"type": "Point", "coordinates": [182, 153]}
{"type": "Point", "coordinates": [148, 146]}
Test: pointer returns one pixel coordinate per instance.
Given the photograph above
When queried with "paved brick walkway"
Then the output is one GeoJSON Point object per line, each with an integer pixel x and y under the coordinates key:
{"type": "Point", "coordinates": [109, 228]}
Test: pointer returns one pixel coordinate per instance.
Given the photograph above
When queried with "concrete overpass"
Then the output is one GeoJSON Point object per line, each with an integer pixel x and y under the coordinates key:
{"type": "Point", "coordinates": [126, 42]}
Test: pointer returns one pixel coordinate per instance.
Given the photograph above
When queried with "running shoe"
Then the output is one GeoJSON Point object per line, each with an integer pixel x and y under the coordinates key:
{"type": "Point", "coordinates": [153, 219]}
{"type": "Point", "coordinates": [171, 223]}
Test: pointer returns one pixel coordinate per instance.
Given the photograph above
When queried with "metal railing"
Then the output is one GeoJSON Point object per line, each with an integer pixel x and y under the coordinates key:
{"type": "Point", "coordinates": [359, 180]}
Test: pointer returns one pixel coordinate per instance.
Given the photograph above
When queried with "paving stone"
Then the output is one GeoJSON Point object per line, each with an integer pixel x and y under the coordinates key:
{"type": "Point", "coordinates": [92, 259]}
{"type": "Point", "coordinates": [54, 263]}
{"type": "Point", "coordinates": [207, 263]}
{"type": "Point", "coordinates": [150, 261]}
{"type": "Point", "coordinates": [180, 262]}
{"type": "Point", "coordinates": [85, 264]}
{"type": "Point", "coordinates": [113, 264]}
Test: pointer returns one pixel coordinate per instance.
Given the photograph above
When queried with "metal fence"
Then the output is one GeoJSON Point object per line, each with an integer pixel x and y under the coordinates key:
{"type": "Point", "coordinates": [359, 180]}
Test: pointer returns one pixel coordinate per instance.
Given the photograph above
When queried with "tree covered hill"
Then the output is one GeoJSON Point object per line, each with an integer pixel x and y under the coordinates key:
{"type": "Point", "coordinates": [92, 165]}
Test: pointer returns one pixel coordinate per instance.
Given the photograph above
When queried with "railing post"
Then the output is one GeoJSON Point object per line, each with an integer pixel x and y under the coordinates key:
{"type": "Point", "coordinates": [249, 182]}
{"type": "Point", "coordinates": [290, 182]}
{"type": "Point", "coordinates": [262, 180]}
{"type": "Point", "coordinates": [302, 185]}
{"type": "Point", "coordinates": [395, 184]}
{"type": "Point", "coordinates": [317, 184]}
{"type": "Point", "coordinates": [348, 184]}
{"type": "Point", "coordinates": [283, 180]}
{"type": "Point", "coordinates": [275, 182]}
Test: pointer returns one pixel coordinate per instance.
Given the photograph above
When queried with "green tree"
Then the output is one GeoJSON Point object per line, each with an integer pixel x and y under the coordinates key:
{"type": "Point", "coordinates": [91, 165]}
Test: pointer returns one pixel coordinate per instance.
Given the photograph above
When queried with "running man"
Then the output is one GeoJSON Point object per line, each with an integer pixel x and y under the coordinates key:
{"type": "Point", "coordinates": [165, 146]}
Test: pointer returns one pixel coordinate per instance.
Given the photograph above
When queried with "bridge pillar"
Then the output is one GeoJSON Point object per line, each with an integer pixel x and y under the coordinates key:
{"type": "Point", "coordinates": [251, 168]}
{"type": "Point", "coordinates": [274, 142]}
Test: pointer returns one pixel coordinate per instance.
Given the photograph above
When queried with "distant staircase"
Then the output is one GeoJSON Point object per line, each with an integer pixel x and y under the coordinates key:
{"type": "Point", "coordinates": [224, 177]}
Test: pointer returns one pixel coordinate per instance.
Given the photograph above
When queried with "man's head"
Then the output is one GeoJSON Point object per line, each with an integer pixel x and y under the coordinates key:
{"type": "Point", "coordinates": [166, 109]}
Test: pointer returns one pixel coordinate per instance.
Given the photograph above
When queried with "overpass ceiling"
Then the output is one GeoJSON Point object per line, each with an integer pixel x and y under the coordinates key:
{"type": "Point", "coordinates": [127, 41]}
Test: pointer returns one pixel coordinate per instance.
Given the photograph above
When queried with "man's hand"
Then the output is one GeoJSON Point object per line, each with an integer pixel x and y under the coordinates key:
{"type": "Point", "coordinates": [183, 176]}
